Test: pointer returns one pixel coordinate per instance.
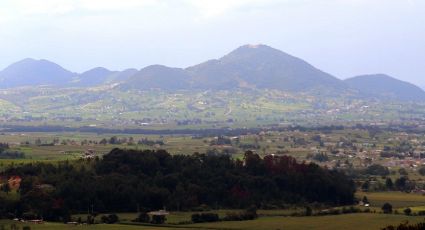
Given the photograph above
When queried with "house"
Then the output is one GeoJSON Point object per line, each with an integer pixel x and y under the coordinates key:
{"type": "Point", "coordinates": [36, 221]}
{"type": "Point", "coordinates": [159, 213]}
{"type": "Point", "coordinates": [14, 182]}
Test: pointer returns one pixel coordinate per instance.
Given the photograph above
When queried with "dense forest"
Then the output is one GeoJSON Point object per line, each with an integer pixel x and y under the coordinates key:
{"type": "Point", "coordinates": [131, 180]}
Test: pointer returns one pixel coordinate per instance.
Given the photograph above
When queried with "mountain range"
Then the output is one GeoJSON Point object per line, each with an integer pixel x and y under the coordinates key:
{"type": "Point", "coordinates": [249, 66]}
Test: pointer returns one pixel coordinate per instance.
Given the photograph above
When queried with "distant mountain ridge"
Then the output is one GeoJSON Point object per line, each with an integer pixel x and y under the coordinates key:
{"type": "Point", "coordinates": [386, 87]}
{"type": "Point", "coordinates": [30, 72]}
{"type": "Point", "coordinates": [249, 66]}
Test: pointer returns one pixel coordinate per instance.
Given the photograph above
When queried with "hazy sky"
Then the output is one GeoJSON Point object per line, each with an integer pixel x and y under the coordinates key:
{"type": "Point", "coordinates": [342, 37]}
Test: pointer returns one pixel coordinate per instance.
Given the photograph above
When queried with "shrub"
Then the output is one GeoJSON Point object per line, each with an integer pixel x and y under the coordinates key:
{"type": "Point", "coordinates": [109, 219]}
{"type": "Point", "coordinates": [249, 214]}
{"type": "Point", "coordinates": [308, 211]}
{"type": "Point", "coordinates": [387, 208]}
{"type": "Point", "coordinates": [205, 217]}
{"type": "Point", "coordinates": [407, 211]}
{"type": "Point", "coordinates": [156, 219]}
{"type": "Point", "coordinates": [143, 217]}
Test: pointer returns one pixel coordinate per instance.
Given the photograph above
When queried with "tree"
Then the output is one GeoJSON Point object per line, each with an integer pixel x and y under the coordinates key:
{"type": "Point", "coordinates": [365, 186]}
{"type": "Point", "coordinates": [389, 184]}
{"type": "Point", "coordinates": [422, 171]}
{"type": "Point", "coordinates": [110, 219]}
{"type": "Point", "coordinates": [143, 218]}
{"type": "Point", "coordinates": [403, 172]}
{"type": "Point", "coordinates": [308, 211]}
{"type": "Point", "coordinates": [158, 219]}
{"type": "Point", "coordinates": [401, 183]}
{"type": "Point", "coordinates": [6, 188]}
{"type": "Point", "coordinates": [387, 208]}
{"type": "Point", "coordinates": [407, 211]}
{"type": "Point", "coordinates": [377, 170]}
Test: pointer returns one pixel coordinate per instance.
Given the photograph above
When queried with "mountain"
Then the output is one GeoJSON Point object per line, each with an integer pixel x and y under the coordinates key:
{"type": "Point", "coordinates": [31, 72]}
{"type": "Point", "coordinates": [261, 66]}
{"type": "Point", "coordinates": [93, 77]}
{"type": "Point", "coordinates": [386, 87]}
{"type": "Point", "coordinates": [100, 75]}
{"type": "Point", "coordinates": [120, 76]}
{"type": "Point", "coordinates": [249, 66]}
{"type": "Point", "coordinates": [159, 77]}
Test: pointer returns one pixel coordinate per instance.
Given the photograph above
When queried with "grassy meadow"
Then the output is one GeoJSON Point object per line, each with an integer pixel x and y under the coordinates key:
{"type": "Point", "coordinates": [347, 222]}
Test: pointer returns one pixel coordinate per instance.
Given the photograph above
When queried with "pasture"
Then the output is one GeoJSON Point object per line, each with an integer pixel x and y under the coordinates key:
{"type": "Point", "coordinates": [396, 199]}
{"type": "Point", "coordinates": [347, 222]}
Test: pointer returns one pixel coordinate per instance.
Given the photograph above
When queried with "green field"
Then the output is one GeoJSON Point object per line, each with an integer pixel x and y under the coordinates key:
{"type": "Point", "coordinates": [396, 199]}
{"type": "Point", "coordinates": [347, 222]}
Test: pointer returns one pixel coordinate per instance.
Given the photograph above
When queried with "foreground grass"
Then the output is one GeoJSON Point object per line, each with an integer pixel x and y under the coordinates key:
{"type": "Point", "coordinates": [396, 199]}
{"type": "Point", "coordinates": [346, 222]}
{"type": "Point", "coordinates": [59, 226]}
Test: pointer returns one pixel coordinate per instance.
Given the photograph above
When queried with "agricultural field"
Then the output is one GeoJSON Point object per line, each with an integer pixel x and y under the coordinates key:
{"type": "Point", "coordinates": [107, 107]}
{"type": "Point", "coordinates": [343, 148]}
{"type": "Point", "coordinates": [349, 222]}
{"type": "Point", "coordinates": [350, 149]}
{"type": "Point", "coordinates": [398, 200]}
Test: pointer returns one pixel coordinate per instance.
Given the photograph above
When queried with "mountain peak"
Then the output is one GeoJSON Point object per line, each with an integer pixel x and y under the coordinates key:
{"type": "Point", "coordinates": [34, 72]}
{"type": "Point", "coordinates": [255, 48]}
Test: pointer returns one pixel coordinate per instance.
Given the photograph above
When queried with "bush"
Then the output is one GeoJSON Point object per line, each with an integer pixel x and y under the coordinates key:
{"type": "Point", "coordinates": [232, 216]}
{"type": "Point", "coordinates": [387, 208]}
{"type": "Point", "coordinates": [156, 219]}
{"type": "Point", "coordinates": [422, 171]}
{"type": "Point", "coordinates": [110, 219]}
{"type": "Point", "coordinates": [406, 226]}
{"type": "Point", "coordinates": [308, 211]}
{"type": "Point", "coordinates": [377, 170]}
{"type": "Point", "coordinates": [26, 228]}
{"type": "Point", "coordinates": [249, 214]}
{"type": "Point", "coordinates": [407, 211]}
{"type": "Point", "coordinates": [421, 213]}
{"type": "Point", "coordinates": [143, 217]}
{"type": "Point", "coordinates": [205, 217]}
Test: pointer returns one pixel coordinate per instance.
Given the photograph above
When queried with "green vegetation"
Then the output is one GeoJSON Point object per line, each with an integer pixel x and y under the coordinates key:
{"type": "Point", "coordinates": [127, 180]}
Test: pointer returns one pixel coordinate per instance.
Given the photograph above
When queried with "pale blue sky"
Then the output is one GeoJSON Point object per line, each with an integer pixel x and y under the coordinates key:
{"type": "Point", "coordinates": [342, 37]}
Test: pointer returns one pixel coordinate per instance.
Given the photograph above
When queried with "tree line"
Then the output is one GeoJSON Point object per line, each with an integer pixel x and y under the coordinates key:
{"type": "Point", "coordinates": [131, 180]}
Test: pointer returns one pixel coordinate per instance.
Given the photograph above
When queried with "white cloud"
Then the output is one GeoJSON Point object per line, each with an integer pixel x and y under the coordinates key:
{"type": "Point", "coordinates": [100, 5]}
{"type": "Point", "coordinates": [51, 7]}
{"type": "Point", "coordinates": [214, 8]}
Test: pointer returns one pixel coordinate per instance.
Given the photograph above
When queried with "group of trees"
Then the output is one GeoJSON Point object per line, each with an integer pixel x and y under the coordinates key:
{"type": "Point", "coordinates": [126, 180]}
{"type": "Point", "coordinates": [403, 183]}
{"type": "Point", "coordinates": [6, 153]}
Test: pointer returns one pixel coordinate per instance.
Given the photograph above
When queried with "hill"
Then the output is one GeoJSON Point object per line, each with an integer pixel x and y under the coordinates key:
{"type": "Point", "coordinates": [261, 66]}
{"type": "Point", "coordinates": [159, 77]}
{"type": "Point", "coordinates": [93, 77]}
{"type": "Point", "coordinates": [386, 87]}
{"type": "Point", "coordinates": [256, 67]}
{"type": "Point", "coordinates": [30, 72]}
{"type": "Point", "coordinates": [249, 66]}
